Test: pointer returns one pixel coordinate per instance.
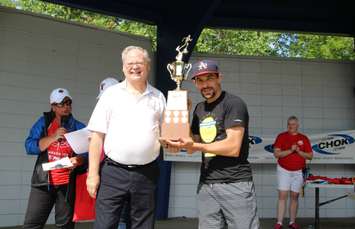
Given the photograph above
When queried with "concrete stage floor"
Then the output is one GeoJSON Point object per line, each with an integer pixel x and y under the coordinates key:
{"type": "Point", "coordinates": [189, 223]}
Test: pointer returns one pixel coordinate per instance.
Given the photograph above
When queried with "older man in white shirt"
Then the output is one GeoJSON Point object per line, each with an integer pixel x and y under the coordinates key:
{"type": "Point", "coordinates": [126, 121]}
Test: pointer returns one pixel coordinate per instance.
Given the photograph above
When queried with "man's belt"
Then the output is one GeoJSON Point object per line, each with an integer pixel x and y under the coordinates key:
{"type": "Point", "coordinates": [115, 163]}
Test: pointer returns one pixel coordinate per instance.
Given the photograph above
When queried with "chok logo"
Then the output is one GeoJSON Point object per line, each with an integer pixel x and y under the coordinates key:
{"type": "Point", "coordinates": [269, 148]}
{"type": "Point", "coordinates": [253, 140]}
{"type": "Point", "coordinates": [333, 143]}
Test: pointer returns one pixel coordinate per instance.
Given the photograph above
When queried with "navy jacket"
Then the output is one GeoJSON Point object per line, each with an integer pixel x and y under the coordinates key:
{"type": "Point", "coordinates": [38, 131]}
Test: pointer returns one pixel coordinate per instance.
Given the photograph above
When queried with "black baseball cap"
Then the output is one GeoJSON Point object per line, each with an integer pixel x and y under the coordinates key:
{"type": "Point", "coordinates": [203, 67]}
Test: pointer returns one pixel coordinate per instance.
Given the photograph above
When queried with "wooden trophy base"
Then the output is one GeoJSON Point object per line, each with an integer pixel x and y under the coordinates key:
{"type": "Point", "coordinates": [176, 116]}
{"type": "Point", "coordinates": [175, 127]}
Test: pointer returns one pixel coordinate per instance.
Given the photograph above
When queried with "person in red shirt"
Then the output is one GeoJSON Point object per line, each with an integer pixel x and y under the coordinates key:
{"type": "Point", "coordinates": [291, 149]}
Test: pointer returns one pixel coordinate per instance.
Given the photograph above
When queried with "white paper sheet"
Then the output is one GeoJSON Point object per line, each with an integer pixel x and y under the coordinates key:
{"type": "Point", "coordinates": [59, 164]}
{"type": "Point", "coordinates": [79, 140]}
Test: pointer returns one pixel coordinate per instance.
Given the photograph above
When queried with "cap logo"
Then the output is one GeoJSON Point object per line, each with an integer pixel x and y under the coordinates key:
{"type": "Point", "coordinates": [102, 86]}
{"type": "Point", "coordinates": [202, 65]}
{"type": "Point", "coordinates": [60, 91]}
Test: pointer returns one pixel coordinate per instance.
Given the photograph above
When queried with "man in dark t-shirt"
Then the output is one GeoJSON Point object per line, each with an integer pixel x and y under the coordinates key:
{"type": "Point", "coordinates": [226, 193]}
{"type": "Point", "coordinates": [210, 122]}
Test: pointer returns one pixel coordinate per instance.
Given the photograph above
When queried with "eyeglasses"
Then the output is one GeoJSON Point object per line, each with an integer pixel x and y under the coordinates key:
{"type": "Point", "coordinates": [62, 104]}
{"type": "Point", "coordinates": [131, 64]}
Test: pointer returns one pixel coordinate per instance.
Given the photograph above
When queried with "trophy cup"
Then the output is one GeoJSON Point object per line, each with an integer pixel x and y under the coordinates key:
{"type": "Point", "coordinates": [176, 116]}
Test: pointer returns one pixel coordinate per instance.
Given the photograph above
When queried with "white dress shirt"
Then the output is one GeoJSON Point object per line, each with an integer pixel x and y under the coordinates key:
{"type": "Point", "coordinates": [131, 123]}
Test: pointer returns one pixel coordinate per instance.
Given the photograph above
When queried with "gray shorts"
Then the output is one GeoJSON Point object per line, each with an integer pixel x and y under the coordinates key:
{"type": "Point", "coordinates": [227, 205]}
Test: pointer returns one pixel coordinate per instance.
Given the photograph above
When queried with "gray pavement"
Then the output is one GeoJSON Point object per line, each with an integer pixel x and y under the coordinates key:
{"type": "Point", "coordinates": [189, 223]}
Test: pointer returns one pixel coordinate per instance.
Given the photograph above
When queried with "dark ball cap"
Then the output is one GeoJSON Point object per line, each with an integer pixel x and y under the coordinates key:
{"type": "Point", "coordinates": [203, 67]}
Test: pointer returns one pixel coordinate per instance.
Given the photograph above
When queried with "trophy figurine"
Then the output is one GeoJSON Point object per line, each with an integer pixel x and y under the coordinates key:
{"type": "Point", "coordinates": [176, 116]}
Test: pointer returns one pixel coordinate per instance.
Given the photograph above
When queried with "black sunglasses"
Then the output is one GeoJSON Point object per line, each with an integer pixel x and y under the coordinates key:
{"type": "Point", "coordinates": [62, 104]}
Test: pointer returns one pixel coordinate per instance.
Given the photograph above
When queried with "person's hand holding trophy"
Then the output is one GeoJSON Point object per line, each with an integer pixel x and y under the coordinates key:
{"type": "Point", "coordinates": [175, 123]}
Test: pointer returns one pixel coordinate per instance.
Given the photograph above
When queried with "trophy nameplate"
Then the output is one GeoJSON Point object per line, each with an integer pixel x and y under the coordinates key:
{"type": "Point", "coordinates": [176, 116]}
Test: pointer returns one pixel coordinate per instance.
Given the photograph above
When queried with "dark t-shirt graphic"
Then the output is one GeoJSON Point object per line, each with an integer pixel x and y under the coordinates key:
{"type": "Point", "coordinates": [210, 121]}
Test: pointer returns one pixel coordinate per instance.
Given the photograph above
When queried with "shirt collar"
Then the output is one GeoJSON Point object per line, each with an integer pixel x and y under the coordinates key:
{"type": "Point", "coordinates": [148, 89]}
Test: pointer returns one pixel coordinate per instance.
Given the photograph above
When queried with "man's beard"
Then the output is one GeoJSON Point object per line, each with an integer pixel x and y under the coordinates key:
{"type": "Point", "coordinates": [211, 94]}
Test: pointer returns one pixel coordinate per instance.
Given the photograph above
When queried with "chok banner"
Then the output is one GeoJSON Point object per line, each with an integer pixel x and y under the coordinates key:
{"type": "Point", "coordinates": [335, 148]}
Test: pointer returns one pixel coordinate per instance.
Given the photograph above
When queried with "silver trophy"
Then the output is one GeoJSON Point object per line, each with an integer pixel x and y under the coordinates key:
{"type": "Point", "coordinates": [179, 69]}
{"type": "Point", "coordinates": [176, 115]}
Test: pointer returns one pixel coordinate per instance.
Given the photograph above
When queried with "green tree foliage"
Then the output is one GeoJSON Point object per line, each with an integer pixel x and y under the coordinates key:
{"type": "Point", "coordinates": [139, 29]}
{"type": "Point", "coordinates": [234, 42]}
{"type": "Point", "coordinates": [323, 47]}
{"type": "Point", "coordinates": [7, 3]}
{"type": "Point", "coordinates": [62, 12]}
{"type": "Point", "coordinates": [82, 16]}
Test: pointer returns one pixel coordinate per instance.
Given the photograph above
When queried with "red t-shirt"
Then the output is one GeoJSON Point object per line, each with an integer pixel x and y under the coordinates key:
{"type": "Point", "coordinates": [58, 150]}
{"type": "Point", "coordinates": [293, 161]}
